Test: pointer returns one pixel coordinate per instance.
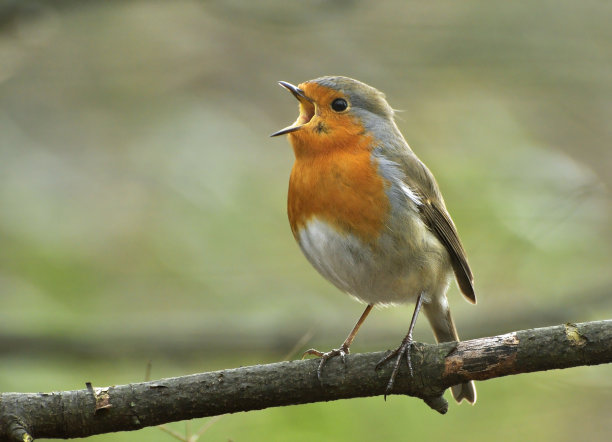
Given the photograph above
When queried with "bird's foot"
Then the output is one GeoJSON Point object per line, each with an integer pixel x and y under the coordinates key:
{"type": "Point", "coordinates": [400, 352]}
{"type": "Point", "coordinates": [342, 352]}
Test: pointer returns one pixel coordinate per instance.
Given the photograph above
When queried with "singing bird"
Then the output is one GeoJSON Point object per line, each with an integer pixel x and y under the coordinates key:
{"type": "Point", "coordinates": [369, 215]}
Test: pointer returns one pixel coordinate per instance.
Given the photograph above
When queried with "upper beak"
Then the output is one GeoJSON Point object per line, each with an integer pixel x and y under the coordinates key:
{"type": "Point", "coordinates": [301, 97]}
{"type": "Point", "coordinates": [296, 91]}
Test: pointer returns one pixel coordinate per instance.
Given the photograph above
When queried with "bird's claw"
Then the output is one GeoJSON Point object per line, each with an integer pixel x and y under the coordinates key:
{"type": "Point", "coordinates": [403, 349]}
{"type": "Point", "coordinates": [342, 352]}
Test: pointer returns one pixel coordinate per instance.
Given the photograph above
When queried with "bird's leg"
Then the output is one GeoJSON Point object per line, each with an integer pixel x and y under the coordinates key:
{"type": "Point", "coordinates": [344, 348]}
{"type": "Point", "coordinates": [403, 349]}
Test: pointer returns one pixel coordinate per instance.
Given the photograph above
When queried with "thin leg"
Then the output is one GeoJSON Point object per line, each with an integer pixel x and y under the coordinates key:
{"type": "Point", "coordinates": [344, 348]}
{"type": "Point", "coordinates": [403, 349]}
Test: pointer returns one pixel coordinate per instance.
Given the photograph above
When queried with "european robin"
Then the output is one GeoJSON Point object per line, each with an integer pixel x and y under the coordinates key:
{"type": "Point", "coordinates": [369, 215]}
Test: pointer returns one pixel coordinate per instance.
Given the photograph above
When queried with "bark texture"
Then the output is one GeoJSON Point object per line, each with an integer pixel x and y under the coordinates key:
{"type": "Point", "coordinates": [68, 414]}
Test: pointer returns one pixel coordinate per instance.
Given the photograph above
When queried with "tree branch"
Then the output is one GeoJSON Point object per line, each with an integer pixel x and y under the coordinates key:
{"type": "Point", "coordinates": [91, 411]}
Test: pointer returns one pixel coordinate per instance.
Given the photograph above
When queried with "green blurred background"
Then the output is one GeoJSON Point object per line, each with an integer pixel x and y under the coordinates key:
{"type": "Point", "coordinates": [142, 204]}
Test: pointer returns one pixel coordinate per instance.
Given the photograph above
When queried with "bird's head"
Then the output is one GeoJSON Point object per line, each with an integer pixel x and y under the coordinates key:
{"type": "Point", "coordinates": [334, 110]}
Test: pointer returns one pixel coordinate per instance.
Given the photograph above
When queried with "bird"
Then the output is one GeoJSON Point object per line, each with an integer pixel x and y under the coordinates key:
{"type": "Point", "coordinates": [368, 214]}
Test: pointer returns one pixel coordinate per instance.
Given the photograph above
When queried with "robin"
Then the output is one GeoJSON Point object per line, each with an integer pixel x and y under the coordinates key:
{"type": "Point", "coordinates": [369, 215]}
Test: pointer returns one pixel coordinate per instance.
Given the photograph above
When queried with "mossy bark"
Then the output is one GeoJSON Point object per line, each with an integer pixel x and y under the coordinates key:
{"type": "Point", "coordinates": [91, 411]}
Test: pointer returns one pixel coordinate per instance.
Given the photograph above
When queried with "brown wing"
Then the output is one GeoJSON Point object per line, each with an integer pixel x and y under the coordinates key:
{"type": "Point", "coordinates": [420, 180]}
{"type": "Point", "coordinates": [438, 219]}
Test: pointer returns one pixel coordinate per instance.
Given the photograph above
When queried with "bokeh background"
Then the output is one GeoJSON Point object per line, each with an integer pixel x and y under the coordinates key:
{"type": "Point", "coordinates": [142, 204]}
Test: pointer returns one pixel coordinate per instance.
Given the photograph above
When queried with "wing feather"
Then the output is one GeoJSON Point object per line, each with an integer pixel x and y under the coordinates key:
{"type": "Point", "coordinates": [439, 221]}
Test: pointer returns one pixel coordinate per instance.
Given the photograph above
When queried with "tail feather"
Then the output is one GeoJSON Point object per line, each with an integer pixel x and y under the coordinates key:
{"type": "Point", "coordinates": [444, 330]}
{"type": "Point", "coordinates": [465, 391]}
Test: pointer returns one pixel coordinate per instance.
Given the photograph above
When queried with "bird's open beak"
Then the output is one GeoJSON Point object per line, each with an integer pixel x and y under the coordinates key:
{"type": "Point", "coordinates": [306, 109]}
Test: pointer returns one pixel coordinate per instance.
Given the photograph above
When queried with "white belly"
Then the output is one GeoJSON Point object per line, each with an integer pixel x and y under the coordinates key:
{"type": "Point", "coordinates": [395, 270]}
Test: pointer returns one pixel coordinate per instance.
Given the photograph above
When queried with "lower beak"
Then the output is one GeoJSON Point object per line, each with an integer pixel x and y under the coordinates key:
{"type": "Point", "coordinates": [302, 98]}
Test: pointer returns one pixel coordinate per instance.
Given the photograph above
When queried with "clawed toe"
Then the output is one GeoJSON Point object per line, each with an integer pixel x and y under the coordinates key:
{"type": "Point", "coordinates": [314, 352]}
{"type": "Point", "coordinates": [342, 352]}
{"type": "Point", "coordinates": [387, 358]}
{"type": "Point", "coordinates": [400, 352]}
{"type": "Point", "coordinates": [403, 349]}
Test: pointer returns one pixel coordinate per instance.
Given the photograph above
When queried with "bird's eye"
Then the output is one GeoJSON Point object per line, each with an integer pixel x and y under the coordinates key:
{"type": "Point", "coordinates": [339, 104]}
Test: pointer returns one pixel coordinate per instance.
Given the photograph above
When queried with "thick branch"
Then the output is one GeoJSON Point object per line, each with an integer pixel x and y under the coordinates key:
{"type": "Point", "coordinates": [436, 367]}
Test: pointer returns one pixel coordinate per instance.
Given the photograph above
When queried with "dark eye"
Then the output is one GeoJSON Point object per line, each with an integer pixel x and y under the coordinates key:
{"type": "Point", "coordinates": [339, 104]}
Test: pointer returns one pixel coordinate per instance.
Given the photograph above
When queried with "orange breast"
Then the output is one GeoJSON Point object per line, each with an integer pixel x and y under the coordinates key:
{"type": "Point", "coordinates": [335, 180]}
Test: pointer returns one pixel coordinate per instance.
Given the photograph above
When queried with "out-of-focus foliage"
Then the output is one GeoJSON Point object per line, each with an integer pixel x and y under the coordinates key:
{"type": "Point", "coordinates": [142, 204]}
